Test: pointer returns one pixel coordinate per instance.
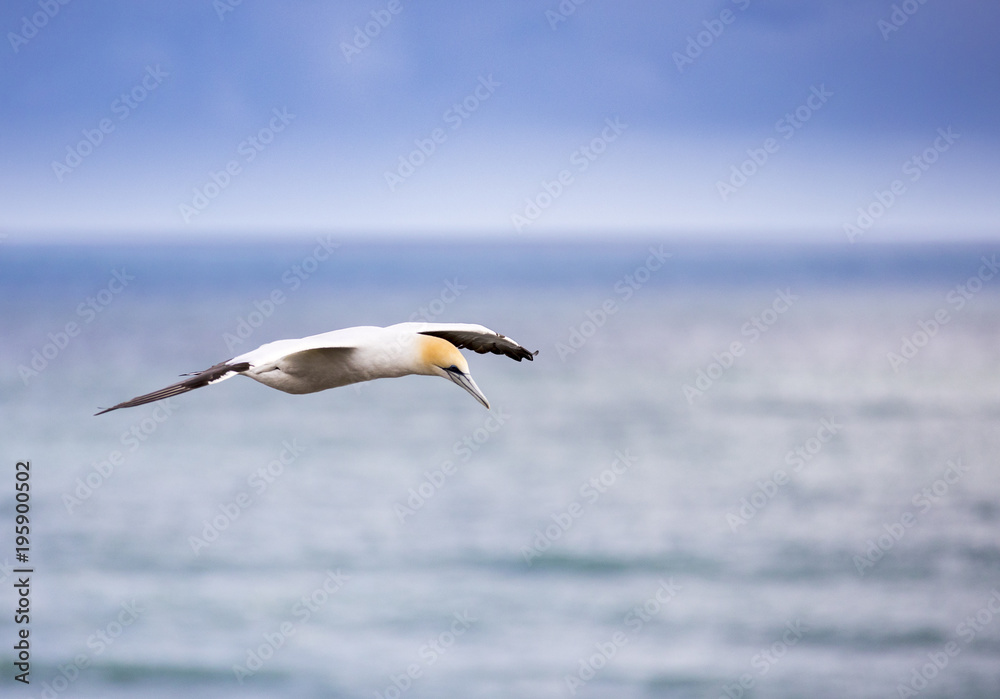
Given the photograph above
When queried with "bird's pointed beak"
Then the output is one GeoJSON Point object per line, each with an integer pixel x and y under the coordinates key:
{"type": "Point", "coordinates": [466, 382]}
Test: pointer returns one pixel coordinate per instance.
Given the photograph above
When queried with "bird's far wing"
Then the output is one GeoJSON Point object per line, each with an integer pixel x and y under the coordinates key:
{"type": "Point", "coordinates": [272, 352]}
{"type": "Point", "coordinates": [220, 371]}
{"type": "Point", "coordinates": [477, 338]}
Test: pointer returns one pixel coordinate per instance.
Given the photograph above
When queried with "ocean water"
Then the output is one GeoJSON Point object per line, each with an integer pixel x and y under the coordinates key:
{"type": "Point", "coordinates": [732, 471]}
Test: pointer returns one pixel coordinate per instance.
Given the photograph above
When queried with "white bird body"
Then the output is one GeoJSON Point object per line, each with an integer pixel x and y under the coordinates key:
{"type": "Point", "coordinates": [332, 359]}
{"type": "Point", "coordinates": [343, 357]}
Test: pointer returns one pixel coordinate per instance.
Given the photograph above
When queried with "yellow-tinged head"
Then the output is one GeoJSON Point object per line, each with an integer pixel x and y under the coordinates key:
{"type": "Point", "coordinates": [440, 353]}
{"type": "Point", "coordinates": [441, 358]}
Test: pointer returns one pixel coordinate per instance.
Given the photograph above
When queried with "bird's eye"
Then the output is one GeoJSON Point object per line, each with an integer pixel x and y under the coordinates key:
{"type": "Point", "coordinates": [454, 368]}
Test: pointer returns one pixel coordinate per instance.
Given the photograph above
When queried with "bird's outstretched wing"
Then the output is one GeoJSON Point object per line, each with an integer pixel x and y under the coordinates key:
{"type": "Point", "coordinates": [220, 371]}
{"type": "Point", "coordinates": [477, 338]}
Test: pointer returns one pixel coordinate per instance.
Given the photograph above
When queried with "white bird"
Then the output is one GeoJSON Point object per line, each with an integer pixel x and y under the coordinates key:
{"type": "Point", "coordinates": [347, 356]}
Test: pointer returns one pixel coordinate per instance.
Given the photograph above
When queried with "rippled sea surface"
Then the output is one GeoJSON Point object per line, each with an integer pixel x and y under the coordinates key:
{"type": "Point", "coordinates": [732, 471]}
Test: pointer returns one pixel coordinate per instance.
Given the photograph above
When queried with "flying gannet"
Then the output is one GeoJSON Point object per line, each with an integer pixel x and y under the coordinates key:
{"type": "Point", "coordinates": [347, 356]}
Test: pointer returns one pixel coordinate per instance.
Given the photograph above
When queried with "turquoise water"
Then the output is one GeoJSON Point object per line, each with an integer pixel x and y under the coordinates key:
{"type": "Point", "coordinates": [731, 471]}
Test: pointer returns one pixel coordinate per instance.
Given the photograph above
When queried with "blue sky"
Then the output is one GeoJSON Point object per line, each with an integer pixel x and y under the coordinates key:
{"type": "Point", "coordinates": [727, 117]}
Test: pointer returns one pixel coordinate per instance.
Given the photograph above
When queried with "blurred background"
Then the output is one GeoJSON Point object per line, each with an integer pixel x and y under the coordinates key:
{"type": "Point", "coordinates": [849, 91]}
{"type": "Point", "coordinates": [754, 242]}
